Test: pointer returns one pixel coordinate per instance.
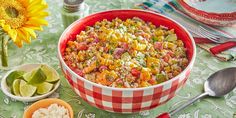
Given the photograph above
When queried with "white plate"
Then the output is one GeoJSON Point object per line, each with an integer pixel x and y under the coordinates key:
{"type": "Point", "coordinates": [212, 12]}
{"type": "Point", "coordinates": [214, 6]}
{"type": "Point", "coordinates": [27, 67]}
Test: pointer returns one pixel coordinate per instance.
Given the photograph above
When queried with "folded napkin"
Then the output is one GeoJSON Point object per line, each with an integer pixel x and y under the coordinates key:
{"type": "Point", "coordinates": [173, 10]}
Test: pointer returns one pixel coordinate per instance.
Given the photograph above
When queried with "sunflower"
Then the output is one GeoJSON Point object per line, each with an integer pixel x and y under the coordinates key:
{"type": "Point", "coordinates": [20, 18]}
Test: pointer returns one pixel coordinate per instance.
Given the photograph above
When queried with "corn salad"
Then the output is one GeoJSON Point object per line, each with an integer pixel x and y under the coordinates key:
{"type": "Point", "coordinates": [126, 54]}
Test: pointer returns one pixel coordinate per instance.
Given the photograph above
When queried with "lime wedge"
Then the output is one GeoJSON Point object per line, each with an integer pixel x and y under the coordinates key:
{"type": "Point", "coordinates": [44, 88]}
{"type": "Point", "coordinates": [27, 90]}
{"type": "Point", "coordinates": [51, 75]}
{"type": "Point", "coordinates": [16, 87]}
{"type": "Point", "coordinates": [27, 75]}
{"type": "Point", "coordinates": [14, 75]}
{"type": "Point", "coordinates": [22, 82]}
{"type": "Point", "coordinates": [35, 77]}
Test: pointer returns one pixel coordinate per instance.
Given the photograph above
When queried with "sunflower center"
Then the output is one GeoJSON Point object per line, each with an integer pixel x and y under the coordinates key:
{"type": "Point", "coordinates": [12, 12]}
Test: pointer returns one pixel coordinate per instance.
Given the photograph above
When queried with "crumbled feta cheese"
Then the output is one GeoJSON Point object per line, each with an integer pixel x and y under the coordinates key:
{"type": "Point", "coordinates": [53, 111]}
{"type": "Point", "coordinates": [140, 58]}
{"type": "Point", "coordinates": [139, 54]}
{"type": "Point", "coordinates": [140, 38]}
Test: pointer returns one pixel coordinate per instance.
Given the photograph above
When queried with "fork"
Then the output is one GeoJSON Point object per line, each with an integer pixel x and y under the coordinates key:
{"type": "Point", "coordinates": [202, 32]}
{"type": "Point", "coordinates": [214, 37]}
{"type": "Point", "coordinates": [225, 42]}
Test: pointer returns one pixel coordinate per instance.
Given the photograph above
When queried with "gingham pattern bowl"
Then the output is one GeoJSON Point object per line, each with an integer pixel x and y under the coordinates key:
{"type": "Point", "coordinates": [126, 100]}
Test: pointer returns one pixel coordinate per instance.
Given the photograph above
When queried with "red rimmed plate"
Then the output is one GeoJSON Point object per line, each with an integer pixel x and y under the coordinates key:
{"type": "Point", "coordinates": [212, 12]}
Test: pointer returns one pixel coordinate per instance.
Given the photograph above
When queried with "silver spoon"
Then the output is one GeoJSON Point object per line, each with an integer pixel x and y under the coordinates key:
{"type": "Point", "coordinates": [218, 84]}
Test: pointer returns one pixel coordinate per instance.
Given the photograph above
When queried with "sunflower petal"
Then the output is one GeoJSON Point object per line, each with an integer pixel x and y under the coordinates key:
{"type": "Point", "coordinates": [6, 28]}
{"type": "Point", "coordinates": [39, 15]}
{"type": "Point", "coordinates": [37, 21]}
{"type": "Point", "coordinates": [2, 22]}
{"type": "Point", "coordinates": [37, 8]}
{"type": "Point", "coordinates": [13, 34]}
{"type": "Point", "coordinates": [25, 3]}
{"type": "Point", "coordinates": [44, 2]}
{"type": "Point", "coordinates": [34, 3]}
{"type": "Point", "coordinates": [18, 40]}
{"type": "Point", "coordinates": [24, 36]}
{"type": "Point", "coordinates": [30, 31]}
{"type": "Point", "coordinates": [19, 43]}
{"type": "Point", "coordinates": [34, 27]}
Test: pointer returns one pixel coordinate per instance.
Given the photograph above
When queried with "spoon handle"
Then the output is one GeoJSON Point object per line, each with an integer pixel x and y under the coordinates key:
{"type": "Point", "coordinates": [189, 102]}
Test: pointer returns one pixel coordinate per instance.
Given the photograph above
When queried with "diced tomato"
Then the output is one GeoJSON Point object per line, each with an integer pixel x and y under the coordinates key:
{"type": "Point", "coordinates": [158, 45]}
{"type": "Point", "coordinates": [82, 46]}
{"type": "Point", "coordinates": [171, 53]}
{"type": "Point", "coordinates": [135, 72]}
{"type": "Point", "coordinates": [125, 46]}
{"type": "Point", "coordinates": [106, 49]}
{"type": "Point", "coordinates": [152, 81]}
{"type": "Point", "coordinates": [166, 58]}
{"type": "Point", "coordinates": [119, 81]}
{"type": "Point", "coordinates": [79, 72]}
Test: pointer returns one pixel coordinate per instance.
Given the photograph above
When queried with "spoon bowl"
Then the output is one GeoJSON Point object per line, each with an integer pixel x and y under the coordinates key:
{"type": "Point", "coordinates": [218, 84]}
{"type": "Point", "coordinates": [221, 82]}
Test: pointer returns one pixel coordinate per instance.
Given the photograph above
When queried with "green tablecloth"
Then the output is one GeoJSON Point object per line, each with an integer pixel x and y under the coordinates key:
{"type": "Point", "coordinates": [44, 50]}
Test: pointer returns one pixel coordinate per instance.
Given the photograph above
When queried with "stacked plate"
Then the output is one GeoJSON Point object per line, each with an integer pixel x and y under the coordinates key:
{"type": "Point", "coordinates": [212, 12]}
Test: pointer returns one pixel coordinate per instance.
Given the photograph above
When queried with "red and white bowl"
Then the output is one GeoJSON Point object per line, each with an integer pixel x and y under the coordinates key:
{"type": "Point", "coordinates": [126, 100]}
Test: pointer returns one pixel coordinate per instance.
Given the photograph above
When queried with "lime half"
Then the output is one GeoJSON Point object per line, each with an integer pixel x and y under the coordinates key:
{"type": "Point", "coordinates": [44, 88]}
{"type": "Point", "coordinates": [51, 75]}
{"type": "Point", "coordinates": [27, 90]}
{"type": "Point", "coordinates": [16, 87]}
